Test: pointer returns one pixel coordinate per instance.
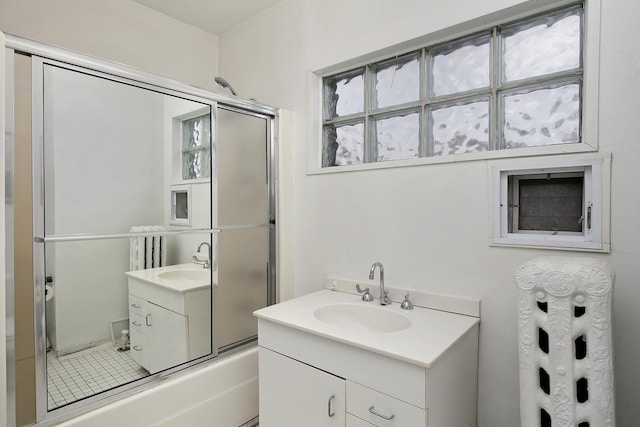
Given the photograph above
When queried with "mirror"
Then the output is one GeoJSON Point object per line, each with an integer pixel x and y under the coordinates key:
{"type": "Point", "coordinates": [121, 184]}
{"type": "Point", "coordinates": [120, 158]}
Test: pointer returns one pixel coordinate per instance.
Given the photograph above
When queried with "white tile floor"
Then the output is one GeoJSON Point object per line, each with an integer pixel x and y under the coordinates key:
{"type": "Point", "coordinates": [74, 377]}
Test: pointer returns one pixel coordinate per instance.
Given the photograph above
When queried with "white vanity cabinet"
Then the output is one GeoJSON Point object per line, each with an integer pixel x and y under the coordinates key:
{"type": "Point", "coordinates": [159, 336]}
{"type": "Point", "coordinates": [168, 325]}
{"type": "Point", "coordinates": [295, 394]}
{"type": "Point", "coordinates": [308, 370]}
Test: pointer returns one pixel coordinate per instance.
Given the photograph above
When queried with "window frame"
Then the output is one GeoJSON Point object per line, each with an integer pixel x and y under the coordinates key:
{"type": "Point", "coordinates": [203, 149]}
{"type": "Point", "coordinates": [175, 219]}
{"type": "Point", "coordinates": [596, 200]}
{"type": "Point", "coordinates": [513, 190]}
{"type": "Point", "coordinates": [589, 70]}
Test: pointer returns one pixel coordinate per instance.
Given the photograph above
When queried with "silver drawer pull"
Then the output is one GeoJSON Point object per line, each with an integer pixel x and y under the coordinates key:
{"type": "Point", "coordinates": [134, 305]}
{"type": "Point", "coordinates": [330, 411]}
{"type": "Point", "coordinates": [135, 347]}
{"type": "Point", "coordinates": [136, 323]}
{"type": "Point", "coordinates": [378, 414]}
{"type": "Point", "coordinates": [147, 319]}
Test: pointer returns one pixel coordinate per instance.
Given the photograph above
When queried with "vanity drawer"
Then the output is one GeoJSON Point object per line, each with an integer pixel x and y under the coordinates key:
{"type": "Point", "coordinates": [136, 305]}
{"type": "Point", "coordinates": [353, 421]}
{"type": "Point", "coordinates": [168, 298]}
{"type": "Point", "coordinates": [140, 349]}
{"type": "Point", "coordinates": [382, 410]}
{"type": "Point", "coordinates": [138, 323]}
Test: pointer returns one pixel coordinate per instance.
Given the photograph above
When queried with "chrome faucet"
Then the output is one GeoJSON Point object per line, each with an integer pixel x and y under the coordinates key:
{"type": "Point", "coordinates": [207, 262]}
{"type": "Point", "coordinates": [384, 294]}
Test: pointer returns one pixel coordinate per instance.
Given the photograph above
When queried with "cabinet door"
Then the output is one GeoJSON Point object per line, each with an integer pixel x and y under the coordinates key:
{"type": "Point", "coordinates": [167, 338]}
{"type": "Point", "coordinates": [295, 394]}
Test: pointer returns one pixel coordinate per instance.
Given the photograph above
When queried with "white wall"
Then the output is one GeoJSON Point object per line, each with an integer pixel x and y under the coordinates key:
{"type": "Point", "coordinates": [429, 224]}
{"type": "Point", "coordinates": [118, 30]}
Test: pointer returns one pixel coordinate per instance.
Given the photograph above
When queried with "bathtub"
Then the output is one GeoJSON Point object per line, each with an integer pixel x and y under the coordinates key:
{"type": "Point", "coordinates": [222, 393]}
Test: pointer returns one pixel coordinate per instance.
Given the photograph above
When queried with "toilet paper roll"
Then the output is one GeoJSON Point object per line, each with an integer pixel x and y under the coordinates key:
{"type": "Point", "coordinates": [48, 292]}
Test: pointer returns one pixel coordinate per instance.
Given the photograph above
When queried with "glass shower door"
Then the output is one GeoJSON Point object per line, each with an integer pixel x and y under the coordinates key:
{"type": "Point", "coordinates": [244, 209]}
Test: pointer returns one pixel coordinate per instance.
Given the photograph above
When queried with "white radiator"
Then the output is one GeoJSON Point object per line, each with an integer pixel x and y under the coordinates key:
{"type": "Point", "coordinates": [565, 342]}
{"type": "Point", "coordinates": [148, 251]}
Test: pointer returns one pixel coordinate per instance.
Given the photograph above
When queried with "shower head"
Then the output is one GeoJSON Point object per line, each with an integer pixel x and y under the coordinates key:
{"type": "Point", "coordinates": [222, 82]}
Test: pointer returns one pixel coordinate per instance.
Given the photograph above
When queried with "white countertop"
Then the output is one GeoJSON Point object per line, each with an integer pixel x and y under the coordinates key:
{"type": "Point", "coordinates": [150, 275]}
{"type": "Point", "coordinates": [431, 333]}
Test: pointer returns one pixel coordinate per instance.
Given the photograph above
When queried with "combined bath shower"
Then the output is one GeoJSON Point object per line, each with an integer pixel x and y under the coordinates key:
{"type": "Point", "coordinates": [222, 82]}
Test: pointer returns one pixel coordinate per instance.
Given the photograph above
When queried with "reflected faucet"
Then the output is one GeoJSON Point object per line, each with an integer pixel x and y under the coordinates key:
{"type": "Point", "coordinates": [384, 294]}
{"type": "Point", "coordinates": [207, 262]}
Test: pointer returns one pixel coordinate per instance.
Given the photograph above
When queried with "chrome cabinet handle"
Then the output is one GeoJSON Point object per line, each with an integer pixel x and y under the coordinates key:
{"type": "Point", "coordinates": [134, 305]}
{"type": "Point", "coordinates": [378, 414]}
{"type": "Point", "coordinates": [330, 411]}
{"type": "Point", "coordinates": [136, 323]}
{"type": "Point", "coordinates": [147, 319]}
{"type": "Point", "coordinates": [135, 347]}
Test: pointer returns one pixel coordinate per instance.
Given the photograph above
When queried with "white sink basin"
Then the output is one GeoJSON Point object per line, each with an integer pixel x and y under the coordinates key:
{"type": "Point", "coordinates": [187, 275]}
{"type": "Point", "coordinates": [362, 317]}
{"type": "Point", "coordinates": [178, 278]}
{"type": "Point", "coordinates": [419, 336]}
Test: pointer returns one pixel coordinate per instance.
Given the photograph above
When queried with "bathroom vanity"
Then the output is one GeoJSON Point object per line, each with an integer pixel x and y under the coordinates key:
{"type": "Point", "coordinates": [330, 359]}
{"type": "Point", "coordinates": [169, 315]}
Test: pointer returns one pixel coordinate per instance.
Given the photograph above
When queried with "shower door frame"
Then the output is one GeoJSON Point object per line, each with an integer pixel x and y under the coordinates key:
{"type": "Point", "coordinates": [42, 54]}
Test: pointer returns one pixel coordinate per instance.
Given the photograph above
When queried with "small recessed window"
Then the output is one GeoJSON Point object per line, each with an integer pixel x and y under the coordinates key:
{"type": "Point", "coordinates": [559, 204]}
{"type": "Point", "coordinates": [551, 203]}
{"type": "Point", "coordinates": [181, 206]}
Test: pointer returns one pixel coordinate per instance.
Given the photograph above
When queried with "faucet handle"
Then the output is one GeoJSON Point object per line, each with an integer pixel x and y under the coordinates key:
{"type": "Point", "coordinates": [367, 297]}
{"type": "Point", "coordinates": [406, 304]}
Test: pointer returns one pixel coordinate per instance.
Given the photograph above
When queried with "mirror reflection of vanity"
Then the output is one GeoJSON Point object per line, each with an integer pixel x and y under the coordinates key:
{"type": "Point", "coordinates": [169, 315]}
{"type": "Point", "coordinates": [153, 233]}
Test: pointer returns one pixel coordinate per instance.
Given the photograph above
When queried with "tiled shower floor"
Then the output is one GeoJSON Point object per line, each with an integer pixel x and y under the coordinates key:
{"type": "Point", "coordinates": [74, 377]}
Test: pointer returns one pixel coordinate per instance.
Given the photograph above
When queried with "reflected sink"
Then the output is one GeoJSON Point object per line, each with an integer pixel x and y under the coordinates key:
{"type": "Point", "coordinates": [361, 317]}
{"type": "Point", "coordinates": [200, 276]}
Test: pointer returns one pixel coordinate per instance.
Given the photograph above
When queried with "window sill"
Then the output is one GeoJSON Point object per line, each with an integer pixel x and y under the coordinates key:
{"type": "Point", "coordinates": [551, 242]}
{"type": "Point", "coordinates": [456, 158]}
{"type": "Point", "coordinates": [179, 182]}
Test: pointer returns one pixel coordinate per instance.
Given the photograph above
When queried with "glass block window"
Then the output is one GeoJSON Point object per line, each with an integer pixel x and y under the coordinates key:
{"type": "Point", "coordinates": [512, 86]}
{"type": "Point", "coordinates": [398, 137]}
{"type": "Point", "coordinates": [196, 147]}
{"type": "Point", "coordinates": [459, 67]}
